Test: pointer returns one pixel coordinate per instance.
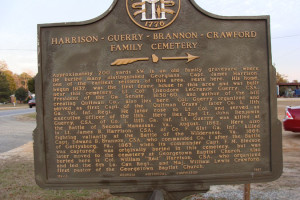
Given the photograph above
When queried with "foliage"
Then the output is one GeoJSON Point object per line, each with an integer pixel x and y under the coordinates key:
{"type": "Point", "coordinates": [281, 78]}
{"type": "Point", "coordinates": [21, 94]}
{"type": "Point", "coordinates": [31, 85]}
{"type": "Point", "coordinates": [11, 81]}
{"type": "Point", "coordinates": [14, 80]}
{"type": "Point", "coordinates": [24, 77]}
{"type": "Point", "coordinates": [3, 66]}
{"type": "Point", "coordinates": [282, 90]}
{"type": "Point", "coordinates": [4, 88]}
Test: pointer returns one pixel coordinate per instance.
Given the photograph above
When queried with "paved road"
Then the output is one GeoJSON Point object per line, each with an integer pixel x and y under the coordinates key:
{"type": "Point", "coordinates": [15, 132]}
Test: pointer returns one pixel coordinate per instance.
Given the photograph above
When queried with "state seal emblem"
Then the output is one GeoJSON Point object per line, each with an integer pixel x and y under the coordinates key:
{"type": "Point", "coordinates": [153, 14]}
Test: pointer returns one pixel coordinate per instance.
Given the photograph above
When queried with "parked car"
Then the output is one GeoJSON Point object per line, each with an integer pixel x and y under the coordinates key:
{"type": "Point", "coordinates": [291, 122]}
{"type": "Point", "coordinates": [31, 102]}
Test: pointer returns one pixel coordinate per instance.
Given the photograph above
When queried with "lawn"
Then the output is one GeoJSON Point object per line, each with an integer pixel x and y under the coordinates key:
{"type": "Point", "coordinates": [10, 106]}
{"type": "Point", "coordinates": [17, 182]}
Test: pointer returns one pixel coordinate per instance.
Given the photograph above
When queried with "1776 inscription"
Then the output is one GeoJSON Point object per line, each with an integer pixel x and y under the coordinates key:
{"type": "Point", "coordinates": [156, 98]}
{"type": "Point", "coordinates": [153, 14]}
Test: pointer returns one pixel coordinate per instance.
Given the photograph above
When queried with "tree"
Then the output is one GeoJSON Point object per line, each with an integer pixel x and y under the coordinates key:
{"type": "Point", "coordinates": [3, 66]}
{"type": "Point", "coordinates": [281, 78]}
{"type": "Point", "coordinates": [4, 89]}
{"type": "Point", "coordinates": [31, 85]}
{"type": "Point", "coordinates": [21, 94]}
{"type": "Point", "coordinates": [7, 82]}
{"type": "Point", "coordinates": [24, 77]}
{"type": "Point", "coordinates": [11, 81]}
{"type": "Point", "coordinates": [17, 80]}
{"type": "Point", "coordinates": [295, 81]}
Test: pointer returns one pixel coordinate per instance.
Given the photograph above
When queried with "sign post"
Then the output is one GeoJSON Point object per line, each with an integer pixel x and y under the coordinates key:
{"type": "Point", "coordinates": [247, 191]}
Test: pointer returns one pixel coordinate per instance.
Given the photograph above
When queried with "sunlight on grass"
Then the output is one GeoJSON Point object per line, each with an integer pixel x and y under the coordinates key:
{"type": "Point", "coordinates": [17, 182]}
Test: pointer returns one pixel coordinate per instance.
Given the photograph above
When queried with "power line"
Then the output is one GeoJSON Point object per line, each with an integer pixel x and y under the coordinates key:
{"type": "Point", "coordinates": [18, 50]}
{"type": "Point", "coordinates": [287, 36]}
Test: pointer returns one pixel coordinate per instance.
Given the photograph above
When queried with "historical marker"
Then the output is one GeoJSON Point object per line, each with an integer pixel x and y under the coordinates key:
{"type": "Point", "coordinates": [156, 94]}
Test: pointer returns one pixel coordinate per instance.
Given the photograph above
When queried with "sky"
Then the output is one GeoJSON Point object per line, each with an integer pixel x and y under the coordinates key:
{"type": "Point", "coordinates": [19, 19]}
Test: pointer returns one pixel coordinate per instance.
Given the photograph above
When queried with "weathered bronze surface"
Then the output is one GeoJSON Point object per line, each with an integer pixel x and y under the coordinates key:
{"type": "Point", "coordinates": [156, 95]}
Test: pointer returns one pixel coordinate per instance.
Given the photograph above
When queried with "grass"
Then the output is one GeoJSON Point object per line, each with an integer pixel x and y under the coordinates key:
{"type": "Point", "coordinates": [26, 117]}
{"type": "Point", "coordinates": [17, 182]}
{"type": "Point", "coordinates": [10, 106]}
{"type": "Point", "coordinates": [30, 115]}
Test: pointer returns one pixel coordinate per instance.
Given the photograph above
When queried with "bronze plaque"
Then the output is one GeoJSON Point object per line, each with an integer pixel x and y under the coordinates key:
{"type": "Point", "coordinates": [156, 94]}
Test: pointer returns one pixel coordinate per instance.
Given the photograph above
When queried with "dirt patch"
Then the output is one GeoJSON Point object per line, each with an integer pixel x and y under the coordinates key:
{"type": "Point", "coordinates": [11, 107]}
{"type": "Point", "coordinates": [26, 117]}
{"type": "Point", "coordinates": [22, 153]}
